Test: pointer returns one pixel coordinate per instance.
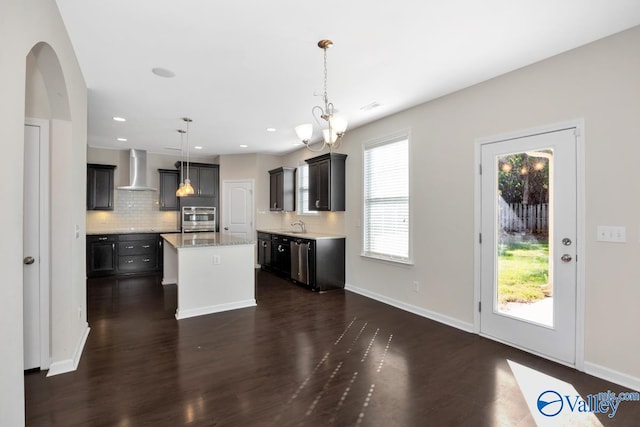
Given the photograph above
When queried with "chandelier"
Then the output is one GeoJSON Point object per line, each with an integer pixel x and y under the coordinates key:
{"type": "Point", "coordinates": [185, 188]}
{"type": "Point", "coordinates": [334, 125]}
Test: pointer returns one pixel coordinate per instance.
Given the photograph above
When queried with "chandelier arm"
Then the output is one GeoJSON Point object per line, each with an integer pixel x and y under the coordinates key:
{"type": "Point", "coordinates": [324, 144]}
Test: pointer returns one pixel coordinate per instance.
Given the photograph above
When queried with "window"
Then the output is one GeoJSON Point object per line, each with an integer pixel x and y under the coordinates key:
{"type": "Point", "coordinates": [303, 190]}
{"type": "Point", "coordinates": [386, 199]}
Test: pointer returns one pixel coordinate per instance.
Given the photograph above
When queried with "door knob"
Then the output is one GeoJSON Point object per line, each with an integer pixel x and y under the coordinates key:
{"type": "Point", "coordinates": [29, 260]}
{"type": "Point", "coordinates": [566, 258]}
{"type": "Point", "coordinates": [226, 228]}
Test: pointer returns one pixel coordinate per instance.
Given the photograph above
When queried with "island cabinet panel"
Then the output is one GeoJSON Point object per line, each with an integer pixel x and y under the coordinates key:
{"type": "Point", "coordinates": [327, 182]}
{"type": "Point", "coordinates": [100, 187]}
{"type": "Point", "coordinates": [282, 189]}
{"type": "Point", "coordinates": [169, 183]}
{"type": "Point", "coordinates": [123, 254]}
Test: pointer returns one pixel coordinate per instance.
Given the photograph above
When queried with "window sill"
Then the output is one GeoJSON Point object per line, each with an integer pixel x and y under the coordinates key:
{"type": "Point", "coordinates": [391, 260]}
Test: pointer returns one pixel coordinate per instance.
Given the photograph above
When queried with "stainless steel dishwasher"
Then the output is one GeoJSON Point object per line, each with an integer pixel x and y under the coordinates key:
{"type": "Point", "coordinates": [300, 251]}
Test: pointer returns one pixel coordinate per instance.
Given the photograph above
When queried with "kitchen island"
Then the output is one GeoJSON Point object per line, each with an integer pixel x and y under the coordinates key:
{"type": "Point", "coordinates": [214, 272]}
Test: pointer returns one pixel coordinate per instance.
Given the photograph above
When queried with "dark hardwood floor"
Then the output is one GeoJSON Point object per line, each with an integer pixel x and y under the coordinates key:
{"type": "Point", "coordinates": [298, 358]}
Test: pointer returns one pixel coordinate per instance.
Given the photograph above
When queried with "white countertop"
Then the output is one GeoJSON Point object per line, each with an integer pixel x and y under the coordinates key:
{"type": "Point", "coordinates": [131, 230]}
{"type": "Point", "coordinates": [193, 240]}
{"type": "Point", "coordinates": [307, 235]}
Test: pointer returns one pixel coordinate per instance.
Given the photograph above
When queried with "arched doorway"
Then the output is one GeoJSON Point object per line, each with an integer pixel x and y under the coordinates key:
{"type": "Point", "coordinates": [46, 100]}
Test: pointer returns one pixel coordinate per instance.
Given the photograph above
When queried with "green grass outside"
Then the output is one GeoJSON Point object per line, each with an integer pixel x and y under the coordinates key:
{"type": "Point", "coordinates": [522, 269]}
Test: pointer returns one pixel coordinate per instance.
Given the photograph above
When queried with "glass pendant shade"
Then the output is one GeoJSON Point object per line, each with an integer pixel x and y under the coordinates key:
{"type": "Point", "coordinates": [180, 190]}
{"type": "Point", "coordinates": [304, 132]}
{"type": "Point", "coordinates": [188, 189]}
{"type": "Point", "coordinates": [327, 139]}
{"type": "Point", "coordinates": [338, 123]}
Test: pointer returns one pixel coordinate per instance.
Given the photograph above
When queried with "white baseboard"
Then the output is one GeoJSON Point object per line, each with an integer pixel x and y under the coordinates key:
{"type": "Point", "coordinates": [184, 314]}
{"type": "Point", "coordinates": [613, 376]}
{"type": "Point", "coordinates": [432, 315]}
{"type": "Point", "coordinates": [70, 365]}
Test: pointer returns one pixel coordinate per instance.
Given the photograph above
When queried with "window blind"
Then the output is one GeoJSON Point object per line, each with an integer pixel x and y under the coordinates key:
{"type": "Point", "coordinates": [386, 200]}
{"type": "Point", "coordinates": [303, 190]}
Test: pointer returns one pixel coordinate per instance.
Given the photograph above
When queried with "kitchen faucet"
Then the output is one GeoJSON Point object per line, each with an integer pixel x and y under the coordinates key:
{"type": "Point", "coordinates": [301, 224]}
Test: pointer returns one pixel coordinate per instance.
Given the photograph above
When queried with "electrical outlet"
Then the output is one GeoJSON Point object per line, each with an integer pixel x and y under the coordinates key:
{"type": "Point", "coordinates": [416, 286]}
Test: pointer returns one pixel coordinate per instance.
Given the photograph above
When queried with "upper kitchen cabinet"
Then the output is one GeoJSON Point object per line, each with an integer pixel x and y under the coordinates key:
{"type": "Point", "coordinates": [169, 183]}
{"type": "Point", "coordinates": [100, 187]}
{"type": "Point", "coordinates": [204, 177]}
{"type": "Point", "coordinates": [327, 182]}
{"type": "Point", "coordinates": [282, 185]}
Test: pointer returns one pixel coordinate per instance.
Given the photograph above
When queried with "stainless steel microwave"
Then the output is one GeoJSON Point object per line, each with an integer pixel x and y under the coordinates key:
{"type": "Point", "coordinates": [198, 218]}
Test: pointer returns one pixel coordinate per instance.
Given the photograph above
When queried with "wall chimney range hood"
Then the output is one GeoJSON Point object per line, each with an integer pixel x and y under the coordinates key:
{"type": "Point", "coordinates": [137, 172]}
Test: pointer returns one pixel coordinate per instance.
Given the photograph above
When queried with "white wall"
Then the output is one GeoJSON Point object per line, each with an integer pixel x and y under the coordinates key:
{"type": "Point", "coordinates": [599, 82]}
{"type": "Point", "coordinates": [23, 24]}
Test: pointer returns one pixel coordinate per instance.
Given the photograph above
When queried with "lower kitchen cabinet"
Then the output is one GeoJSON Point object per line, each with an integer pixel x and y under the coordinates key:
{"type": "Point", "coordinates": [318, 264]}
{"type": "Point", "coordinates": [281, 254]}
{"type": "Point", "coordinates": [121, 254]}
{"type": "Point", "coordinates": [101, 255]}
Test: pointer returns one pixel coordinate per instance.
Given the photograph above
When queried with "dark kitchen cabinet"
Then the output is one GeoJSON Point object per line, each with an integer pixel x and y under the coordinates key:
{"type": "Point", "coordinates": [169, 183]}
{"type": "Point", "coordinates": [281, 254]}
{"type": "Point", "coordinates": [100, 187]}
{"type": "Point", "coordinates": [101, 255]}
{"type": "Point", "coordinates": [282, 189]}
{"type": "Point", "coordinates": [123, 254]}
{"type": "Point", "coordinates": [138, 253]}
{"type": "Point", "coordinates": [204, 177]}
{"type": "Point", "coordinates": [317, 264]}
{"type": "Point", "coordinates": [264, 250]}
{"type": "Point", "coordinates": [327, 182]}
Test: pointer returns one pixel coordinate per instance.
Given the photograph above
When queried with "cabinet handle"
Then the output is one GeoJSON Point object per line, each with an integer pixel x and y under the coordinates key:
{"type": "Point", "coordinates": [128, 247]}
{"type": "Point", "coordinates": [129, 261]}
{"type": "Point", "coordinates": [146, 246]}
{"type": "Point", "coordinates": [146, 260]}
{"type": "Point", "coordinates": [113, 246]}
{"type": "Point", "coordinates": [102, 238]}
{"type": "Point", "coordinates": [275, 205]}
{"type": "Point", "coordinates": [317, 203]}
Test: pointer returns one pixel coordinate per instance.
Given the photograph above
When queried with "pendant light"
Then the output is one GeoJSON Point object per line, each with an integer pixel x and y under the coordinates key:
{"type": "Point", "coordinates": [185, 188]}
{"type": "Point", "coordinates": [180, 190]}
{"type": "Point", "coordinates": [336, 124]}
{"type": "Point", "coordinates": [188, 189]}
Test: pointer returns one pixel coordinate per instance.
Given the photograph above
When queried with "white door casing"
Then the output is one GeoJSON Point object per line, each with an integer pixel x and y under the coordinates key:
{"type": "Point", "coordinates": [237, 218]}
{"type": "Point", "coordinates": [563, 341]}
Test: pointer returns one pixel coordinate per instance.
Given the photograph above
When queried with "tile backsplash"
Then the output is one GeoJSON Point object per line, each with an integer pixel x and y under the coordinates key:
{"type": "Point", "coordinates": [133, 210]}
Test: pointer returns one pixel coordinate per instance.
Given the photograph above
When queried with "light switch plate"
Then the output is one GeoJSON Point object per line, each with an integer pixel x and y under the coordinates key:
{"type": "Point", "coordinates": [608, 233]}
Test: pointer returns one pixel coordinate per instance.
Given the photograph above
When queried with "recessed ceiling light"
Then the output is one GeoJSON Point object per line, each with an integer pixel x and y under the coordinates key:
{"type": "Point", "coordinates": [271, 129]}
{"type": "Point", "coordinates": [163, 72]}
{"type": "Point", "coordinates": [243, 145]}
{"type": "Point", "coordinates": [121, 139]}
{"type": "Point", "coordinates": [119, 119]}
{"type": "Point", "coordinates": [197, 147]}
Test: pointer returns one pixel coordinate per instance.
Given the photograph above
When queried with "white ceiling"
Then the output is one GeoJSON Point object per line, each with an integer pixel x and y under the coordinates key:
{"type": "Point", "coordinates": [245, 65]}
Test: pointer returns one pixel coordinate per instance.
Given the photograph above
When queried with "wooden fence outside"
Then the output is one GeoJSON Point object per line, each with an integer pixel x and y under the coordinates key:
{"type": "Point", "coordinates": [519, 217]}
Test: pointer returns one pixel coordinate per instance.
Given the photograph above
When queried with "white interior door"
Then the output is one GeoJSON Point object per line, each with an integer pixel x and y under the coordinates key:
{"type": "Point", "coordinates": [237, 218]}
{"type": "Point", "coordinates": [31, 247]}
{"type": "Point", "coordinates": [528, 250]}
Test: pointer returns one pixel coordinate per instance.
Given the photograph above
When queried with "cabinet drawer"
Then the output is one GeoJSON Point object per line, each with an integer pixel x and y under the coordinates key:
{"type": "Point", "coordinates": [136, 263]}
{"type": "Point", "coordinates": [139, 247]}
